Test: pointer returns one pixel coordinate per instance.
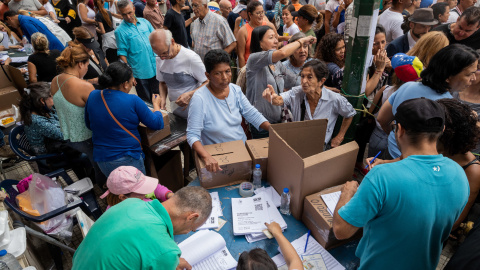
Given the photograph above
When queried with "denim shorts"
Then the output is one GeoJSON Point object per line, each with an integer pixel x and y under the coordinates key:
{"type": "Point", "coordinates": [108, 166]}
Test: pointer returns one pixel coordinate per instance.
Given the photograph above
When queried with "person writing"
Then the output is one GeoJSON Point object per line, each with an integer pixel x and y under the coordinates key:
{"type": "Point", "coordinates": [313, 101]}
{"type": "Point", "coordinates": [216, 110]}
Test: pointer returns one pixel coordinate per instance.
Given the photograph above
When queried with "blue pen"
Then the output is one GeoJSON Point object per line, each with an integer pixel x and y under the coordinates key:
{"type": "Point", "coordinates": [306, 243]}
{"type": "Point", "coordinates": [373, 159]}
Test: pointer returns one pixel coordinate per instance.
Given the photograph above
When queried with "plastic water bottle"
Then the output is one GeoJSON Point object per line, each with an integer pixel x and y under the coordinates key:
{"type": "Point", "coordinates": [257, 177]}
{"type": "Point", "coordinates": [9, 261]}
{"type": "Point", "coordinates": [27, 46]}
{"type": "Point", "coordinates": [285, 202]}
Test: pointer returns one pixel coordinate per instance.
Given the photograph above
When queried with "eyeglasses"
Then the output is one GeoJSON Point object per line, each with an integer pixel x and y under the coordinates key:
{"type": "Point", "coordinates": [195, 6]}
{"type": "Point", "coordinates": [259, 13]}
{"type": "Point", "coordinates": [165, 54]}
{"type": "Point", "coordinates": [395, 127]}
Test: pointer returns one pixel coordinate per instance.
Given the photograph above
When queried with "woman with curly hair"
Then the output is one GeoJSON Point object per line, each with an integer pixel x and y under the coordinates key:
{"type": "Point", "coordinates": [332, 51]}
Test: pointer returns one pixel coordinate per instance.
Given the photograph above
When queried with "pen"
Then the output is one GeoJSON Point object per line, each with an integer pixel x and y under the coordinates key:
{"type": "Point", "coordinates": [306, 242]}
{"type": "Point", "coordinates": [373, 159]}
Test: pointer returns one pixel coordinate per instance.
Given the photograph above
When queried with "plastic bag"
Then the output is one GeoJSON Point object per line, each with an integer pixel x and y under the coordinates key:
{"type": "Point", "coordinates": [46, 195]}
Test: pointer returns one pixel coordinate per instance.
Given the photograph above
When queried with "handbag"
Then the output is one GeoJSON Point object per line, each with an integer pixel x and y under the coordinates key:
{"type": "Point", "coordinates": [116, 121]}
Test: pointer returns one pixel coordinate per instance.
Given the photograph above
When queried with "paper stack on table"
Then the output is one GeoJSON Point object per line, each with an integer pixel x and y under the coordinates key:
{"type": "Point", "coordinates": [331, 200]}
{"type": "Point", "coordinates": [206, 250]}
{"type": "Point", "coordinates": [271, 193]}
{"type": "Point", "coordinates": [313, 247]}
{"type": "Point", "coordinates": [273, 214]}
{"type": "Point", "coordinates": [212, 221]}
{"type": "Point", "coordinates": [249, 215]}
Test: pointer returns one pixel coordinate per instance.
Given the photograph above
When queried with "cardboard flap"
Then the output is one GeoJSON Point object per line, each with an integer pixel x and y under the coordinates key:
{"type": "Point", "coordinates": [227, 153]}
{"type": "Point", "coordinates": [258, 148]}
{"type": "Point", "coordinates": [297, 134]}
{"type": "Point", "coordinates": [18, 79]}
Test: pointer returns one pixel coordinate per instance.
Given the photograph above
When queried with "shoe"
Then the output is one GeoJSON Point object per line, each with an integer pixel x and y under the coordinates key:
{"type": "Point", "coordinates": [6, 152]}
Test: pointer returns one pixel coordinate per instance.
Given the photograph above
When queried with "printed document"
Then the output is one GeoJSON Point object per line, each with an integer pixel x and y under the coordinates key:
{"type": "Point", "coordinates": [249, 215]}
{"type": "Point", "coordinates": [274, 215]}
{"type": "Point", "coordinates": [271, 193]}
{"type": "Point", "coordinates": [206, 250]}
{"type": "Point", "coordinates": [331, 200]}
{"type": "Point", "coordinates": [212, 221]}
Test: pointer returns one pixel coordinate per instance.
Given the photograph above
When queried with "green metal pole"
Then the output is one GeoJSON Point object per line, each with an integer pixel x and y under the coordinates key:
{"type": "Point", "coordinates": [354, 76]}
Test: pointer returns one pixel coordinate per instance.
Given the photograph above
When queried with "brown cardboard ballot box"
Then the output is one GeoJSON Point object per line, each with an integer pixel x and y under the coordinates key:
{"type": "Point", "coordinates": [317, 219]}
{"type": "Point", "coordinates": [258, 150]}
{"type": "Point", "coordinates": [12, 84]}
{"type": "Point", "coordinates": [150, 137]}
{"type": "Point", "coordinates": [296, 160]}
{"type": "Point", "coordinates": [234, 160]}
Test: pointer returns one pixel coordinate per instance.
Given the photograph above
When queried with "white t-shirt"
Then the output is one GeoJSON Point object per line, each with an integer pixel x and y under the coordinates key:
{"type": "Point", "coordinates": [290, 31]}
{"type": "Point", "coordinates": [453, 16]}
{"type": "Point", "coordinates": [331, 6]}
{"type": "Point", "coordinates": [318, 4]}
{"type": "Point", "coordinates": [184, 73]}
{"type": "Point", "coordinates": [49, 8]}
{"type": "Point", "coordinates": [392, 22]}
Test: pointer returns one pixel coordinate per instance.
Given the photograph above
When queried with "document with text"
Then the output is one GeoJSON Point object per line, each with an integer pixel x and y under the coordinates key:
{"type": "Point", "coordinates": [249, 215]}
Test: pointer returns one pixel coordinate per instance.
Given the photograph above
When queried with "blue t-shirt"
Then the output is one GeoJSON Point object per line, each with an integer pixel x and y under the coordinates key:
{"type": "Point", "coordinates": [31, 25]}
{"type": "Point", "coordinates": [407, 210]}
{"type": "Point", "coordinates": [341, 27]}
{"type": "Point", "coordinates": [409, 90]}
{"type": "Point", "coordinates": [110, 141]}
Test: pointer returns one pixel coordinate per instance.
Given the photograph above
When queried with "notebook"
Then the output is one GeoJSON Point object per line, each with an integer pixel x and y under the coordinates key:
{"type": "Point", "coordinates": [206, 250]}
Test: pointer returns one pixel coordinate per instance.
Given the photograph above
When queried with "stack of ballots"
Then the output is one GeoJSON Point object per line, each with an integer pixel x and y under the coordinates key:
{"type": "Point", "coordinates": [213, 221]}
{"type": "Point", "coordinates": [250, 214]}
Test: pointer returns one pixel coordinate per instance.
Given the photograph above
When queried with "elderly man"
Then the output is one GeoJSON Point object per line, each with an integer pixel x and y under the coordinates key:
{"type": "Point", "coordinates": [465, 30]}
{"type": "Point", "coordinates": [420, 23]}
{"type": "Point", "coordinates": [32, 6]}
{"type": "Point", "coordinates": [225, 8]}
{"type": "Point", "coordinates": [457, 11]}
{"type": "Point", "coordinates": [180, 71]}
{"type": "Point", "coordinates": [139, 235]}
{"type": "Point", "coordinates": [134, 49]}
{"type": "Point", "coordinates": [398, 204]}
{"type": "Point", "coordinates": [153, 14]}
{"type": "Point", "coordinates": [210, 31]}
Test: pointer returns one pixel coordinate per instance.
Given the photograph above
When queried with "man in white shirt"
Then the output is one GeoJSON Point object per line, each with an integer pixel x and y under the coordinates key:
{"type": "Point", "coordinates": [392, 19]}
{"type": "Point", "coordinates": [180, 71]}
{"type": "Point", "coordinates": [419, 23]}
{"type": "Point", "coordinates": [32, 6]}
{"type": "Point", "coordinates": [459, 9]}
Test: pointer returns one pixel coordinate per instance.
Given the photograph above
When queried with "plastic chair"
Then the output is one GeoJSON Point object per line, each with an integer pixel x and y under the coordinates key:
{"type": "Point", "coordinates": [21, 147]}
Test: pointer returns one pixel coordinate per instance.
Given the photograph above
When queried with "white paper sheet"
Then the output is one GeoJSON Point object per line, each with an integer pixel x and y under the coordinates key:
{"type": "Point", "coordinates": [21, 59]}
{"type": "Point", "coordinates": [249, 215]}
{"type": "Point", "coordinates": [212, 221]}
{"type": "Point", "coordinates": [331, 200]}
{"type": "Point", "coordinates": [274, 215]}
{"type": "Point", "coordinates": [314, 262]}
{"type": "Point", "coordinates": [272, 193]}
{"type": "Point", "coordinates": [313, 247]}
{"type": "Point", "coordinates": [206, 250]}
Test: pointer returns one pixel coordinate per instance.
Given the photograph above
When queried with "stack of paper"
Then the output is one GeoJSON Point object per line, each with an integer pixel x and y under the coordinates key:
{"type": "Point", "coordinates": [331, 200]}
{"type": "Point", "coordinates": [249, 215]}
{"type": "Point", "coordinates": [274, 215]}
{"type": "Point", "coordinates": [271, 193]}
{"type": "Point", "coordinates": [313, 247]}
{"type": "Point", "coordinates": [206, 250]}
{"type": "Point", "coordinates": [212, 221]}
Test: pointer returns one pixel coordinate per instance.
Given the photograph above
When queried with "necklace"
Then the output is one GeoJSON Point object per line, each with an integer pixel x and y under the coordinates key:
{"type": "Point", "coordinates": [71, 74]}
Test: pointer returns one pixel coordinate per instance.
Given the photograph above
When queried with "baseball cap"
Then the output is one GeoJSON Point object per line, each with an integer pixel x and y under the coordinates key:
{"type": "Point", "coordinates": [128, 179]}
{"type": "Point", "coordinates": [406, 67]}
{"type": "Point", "coordinates": [239, 8]}
{"type": "Point", "coordinates": [213, 6]}
{"type": "Point", "coordinates": [421, 115]}
{"type": "Point", "coordinates": [90, 43]}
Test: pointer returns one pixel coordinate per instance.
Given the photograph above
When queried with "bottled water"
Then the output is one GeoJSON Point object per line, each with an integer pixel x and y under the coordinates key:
{"type": "Point", "coordinates": [8, 261]}
{"type": "Point", "coordinates": [285, 202]}
{"type": "Point", "coordinates": [27, 46]}
{"type": "Point", "coordinates": [257, 177]}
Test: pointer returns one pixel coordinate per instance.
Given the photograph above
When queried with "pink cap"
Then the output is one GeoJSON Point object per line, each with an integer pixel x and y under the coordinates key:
{"type": "Point", "coordinates": [128, 179]}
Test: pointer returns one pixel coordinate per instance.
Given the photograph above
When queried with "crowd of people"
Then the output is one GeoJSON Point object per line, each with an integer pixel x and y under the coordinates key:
{"type": "Point", "coordinates": [232, 69]}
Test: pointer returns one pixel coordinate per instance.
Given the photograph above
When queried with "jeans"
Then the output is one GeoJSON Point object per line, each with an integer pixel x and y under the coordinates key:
{"type": "Point", "coordinates": [86, 147]}
{"type": "Point", "coordinates": [2, 142]}
{"type": "Point", "coordinates": [108, 166]}
{"type": "Point", "coordinates": [146, 87]}
{"type": "Point", "coordinates": [258, 134]}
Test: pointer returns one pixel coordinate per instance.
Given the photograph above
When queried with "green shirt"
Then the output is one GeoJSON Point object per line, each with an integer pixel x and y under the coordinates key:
{"type": "Point", "coordinates": [131, 235]}
{"type": "Point", "coordinates": [310, 32]}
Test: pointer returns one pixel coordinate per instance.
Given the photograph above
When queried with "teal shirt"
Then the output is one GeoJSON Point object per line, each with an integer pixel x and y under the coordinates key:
{"type": "Point", "coordinates": [132, 42]}
{"type": "Point", "coordinates": [131, 235]}
{"type": "Point", "coordinates": [407, 210]}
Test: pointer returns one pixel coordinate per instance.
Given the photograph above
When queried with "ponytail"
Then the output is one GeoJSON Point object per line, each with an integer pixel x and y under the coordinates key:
{"type": "Point", "coordinates": [104, 12]}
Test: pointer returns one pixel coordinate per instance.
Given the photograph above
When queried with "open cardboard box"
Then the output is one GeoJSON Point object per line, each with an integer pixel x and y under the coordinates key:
{"type": "Point", "coordinates": [258, 150]}
{"type": "Point", "coordinates": [317, 218]}
{"type": "Point", "coordinates": [296, 160]}
{"type": "Point", "coordinates": [234, 160]}
{"type": "Point", "coordinates": [12, 84]}
{"type": "Point", "coordinates": [150, 137]}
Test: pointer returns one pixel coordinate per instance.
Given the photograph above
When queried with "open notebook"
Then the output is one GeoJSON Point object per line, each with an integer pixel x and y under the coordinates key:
{"type": "Point", "coordinates": [206, 250]}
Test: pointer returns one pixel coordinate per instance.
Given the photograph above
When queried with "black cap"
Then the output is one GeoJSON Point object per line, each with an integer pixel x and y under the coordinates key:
{"type": "Point", "coordinates": [421, 115]}
{"type": "Point", "coordinates": [90, 43]}
{"type": "Point", "coordinates": [302, 13]}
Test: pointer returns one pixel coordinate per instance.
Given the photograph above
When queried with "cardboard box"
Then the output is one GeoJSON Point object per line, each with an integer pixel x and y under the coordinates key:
{"type": "Point", "coordinates": [150, 137]}
{"type": "Point", "coordinates": [258, 150]}
{"type": "Point", "coordinates": [317, 218]}
{"type": "Point", "coordinates": [167, 168]}
{"type": "Point", "coordinates": [296, 160]}
{"type": "Point", "coordinates": [12, 84]}
{"type": "Point", "coordinates": [234, 160]}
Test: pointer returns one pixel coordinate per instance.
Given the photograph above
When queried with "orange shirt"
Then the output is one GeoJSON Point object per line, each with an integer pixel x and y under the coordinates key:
{"type": "Point", "coordinates": [249, 39]}
{"type": "Point", "coordinates": [297, 7]}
